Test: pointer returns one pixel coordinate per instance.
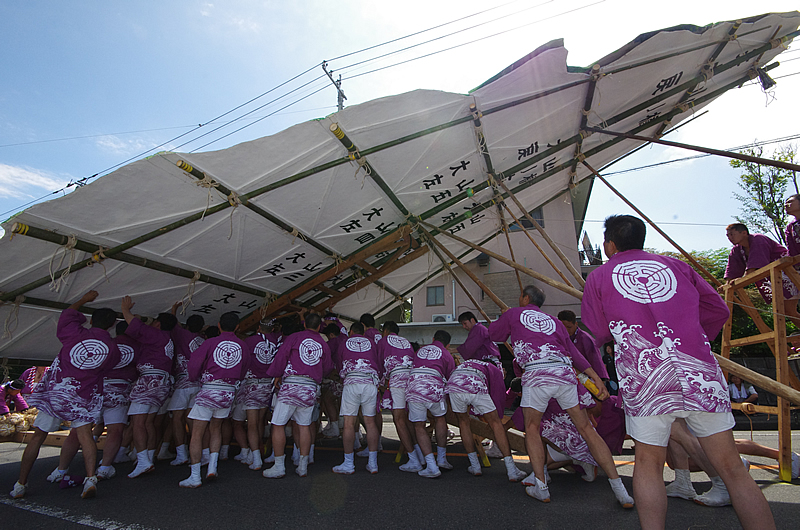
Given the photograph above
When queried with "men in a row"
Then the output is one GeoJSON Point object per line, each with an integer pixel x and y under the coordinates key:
{"type": "Point", "coordinates": [636, 297]}
{"type": "Point", "coordinates": [360, 370]}
{"type": "Point", "coordinates": [219, 364]}
{"type": "Point", "coordinates": [72, 389]}
{"type": "Point", "coordinates": [543, 349]}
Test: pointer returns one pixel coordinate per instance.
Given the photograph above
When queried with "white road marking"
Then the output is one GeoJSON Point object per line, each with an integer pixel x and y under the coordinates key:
{"type": "Point", "coordinates": [57, 513]}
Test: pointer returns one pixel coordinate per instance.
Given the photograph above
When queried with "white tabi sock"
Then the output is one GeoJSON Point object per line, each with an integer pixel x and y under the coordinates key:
{"type": "Point", "coordinates": [430, 461]}
{"type": "Point", "coordinates": [206, 452]}
{"type": "Point", "coordinates": [204, 457]}
{"type": "Point", "coordinates": [164, 448]}
{"type": "Point", "coordinates": [716, 482]}
{"type": "Point", "coordinates": [195, 469]}
{"type": "Point", "coordinates": [348, 458]}
{"type": "Point", "coordinates": [223, 452]}
{"type": "Point", "coordinates": [295, 452]}
{"type": "Point", "coordinates": [412, 457]}
{"type": "Point", "coordinates": [182, 453]}
{"type": "Point", "coordinates": [441, 453]}
{"type": "Point", "coordinates": [121, 453]}
{"type": "Point", "coordinates": [270, 458]}
{"type": "Point", "coordinates": [373, 458]}
{"type": "Point", "coordinates": [133, 454]}
{"type": "Point", "coordinates": [151, 453]}
{"type": "Point", "coordinates": [509, 462]}
{"type": "Point", "coordinates": [418, 452]}
{"type": "Point", "coordinates": [256, 459]}
{"type": "Point", "coordinates": [213, 458]}
{"type": "Point", "coordinates": [241, 457]}
{"type": "Point", "coordinates": [473, 460]}
{"type": "Point", "coordinates": [280, 462]}
{"type": "Point", "coordinates": [311, 454]}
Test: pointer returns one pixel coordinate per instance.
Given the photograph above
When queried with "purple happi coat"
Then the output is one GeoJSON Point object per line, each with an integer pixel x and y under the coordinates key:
{"type": "Point", "coordinates": [660, 313]}
{"type": "Point", "coordinates": [358, 361]}
{"type": "Point", "coordinates": [397, 357]}
{"type": "Point", "coordinates": [433, 364]}
{"type": "Point", "coordinates": [374, 335]}
{"type": "Point", "coordinates": [792, 234]}
{"type": "Point", "coordinates": [72, 389]}
{"type": "Point", "coordinates": [478, 345]}
{"type": "Point", "coordinates": [542, 346]}
{"type": "Point", "coordinates": [586, 345]}
{"type": "Point", "coordinates": [302, 361]}
{"type": "Point", "coordinates": [154, 364]}
{"type": "Point", "coordinates": [219, 364]}
{"type": "Point", "coordinates": [762, 252]}
{"type": "Point", "coordinates": [185, 343]}
{"type": "Point", "coordinates": [478, 377]}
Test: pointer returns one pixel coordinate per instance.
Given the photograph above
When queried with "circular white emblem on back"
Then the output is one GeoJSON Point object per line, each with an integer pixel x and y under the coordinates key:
{"type": "Point", "coordinates": [398, 342]}
{"type": "Point", "coordinates": [227, 354]}
{"type": "Point", "coordinates": [378, 338]}
{"type": "Point", "coordinates": [310, 351]}
{"type": "Point", "coordinates": [88, 354]}
{"type": "Point", "coordinates": [644, 281]}
{"type": "Point", "coordinates": [169, 349]}
{"type": "Point", "coordinates": [127, 356]}
{"type": "Point", "coordinates": [358, 344]}
{"type": "Point", "coordinates": [429, 352]}
{"type": "Point", "coordinates": [196, 342]}
{"type": "Point", "coordinates": [537, 322]}
{"type": "Point", "coordinates": [265, 352]}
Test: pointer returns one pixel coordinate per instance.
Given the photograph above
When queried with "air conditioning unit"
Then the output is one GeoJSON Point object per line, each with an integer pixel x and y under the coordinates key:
{"type": "Point", "coordinates": [442, 318]}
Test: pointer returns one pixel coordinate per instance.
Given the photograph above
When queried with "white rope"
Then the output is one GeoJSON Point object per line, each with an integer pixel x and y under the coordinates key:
{"type": "Point", "coordinates": [12, 320]}
{"type": "Point", "coordinates": [68, 247]}
{"type": "Point", "coordinates": [233, 200]}
{"type": "Point", "coordinates": [362, 164]}
{"type": "Point", "coordinates": [97, 257]}
{"type": "Point", "coordinates": [187, 299]}
{"type": "Point", "coordinates": [294, 233]}
{"type": "Point", "coordinates": [208, 183]}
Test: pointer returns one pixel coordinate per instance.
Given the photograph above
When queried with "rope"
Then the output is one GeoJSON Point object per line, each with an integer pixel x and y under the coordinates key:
{"type": "Point", "coordinates": [187, 299]}
{"type": "Point", "coordinates": [12, 320]}
{"type": "Point", "coordinates": [337, 261]}
{"type": "Point", "coordinates": [362, 164]}
{"type": "Point", "coordinates": [233, 200]}
{"type": "Point", "coordinates": [748, 409]}
{"type": "Point", "coordinates": [97, 257]}
{"type": "Point", "coordinates": [4, 368]}
{"type": "Point", "coordinates": [208, 183]}
{"type": "Point", "coordinates": [68, 247]}
{"type": "Point", "coordinates": [294, 233]}
{"type": "Point", "coordinates": [267, 300]}
{"type": "Point", "coordinates": [707, 69]}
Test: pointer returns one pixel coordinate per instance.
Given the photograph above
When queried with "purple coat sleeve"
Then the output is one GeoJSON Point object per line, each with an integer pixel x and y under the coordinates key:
{"type": "Point", "coordinates": [736, 265]}
{"type": "Point", "coordinates": [761, 248]}
{"type": "Point", "coordinates": [497, 388]}
{"type": "Point", "coordinates": [499, 330]}
{"type": "Point", "coordinates": [475, 338]}
{"type": "Point", "coordinates": [198, 361]}
{"type": "Point", "coordinates": [713, 310]}
{"type": "Point", "coordinates": [68, 323]}
{"type": "Point", "coordinates": [278, 365]}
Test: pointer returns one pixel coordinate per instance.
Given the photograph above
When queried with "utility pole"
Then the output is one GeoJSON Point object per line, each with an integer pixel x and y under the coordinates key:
{"type": "Point", "coordinates": [337, 84]}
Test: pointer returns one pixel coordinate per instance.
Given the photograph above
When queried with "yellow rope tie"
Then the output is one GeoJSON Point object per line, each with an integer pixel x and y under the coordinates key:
{"type": "Point", "coordinates": [68, 247]}
{"type": "Point", "coordinates": [207, 183]}
{"type": "Point", "coordinates": [295, 233]}
{"type": "Point", "coordinates": [781, 41]}
{"type": "Point", "coordinates": [187, 299]}
{"type": "Point", "coordinates": [233, 200]}
{"type": "Point", "coordinates": [97, 257]}
{"type": "Point", "coordinates": [361, 162]}
{"type": "Point", "coordinates": [12, 320]}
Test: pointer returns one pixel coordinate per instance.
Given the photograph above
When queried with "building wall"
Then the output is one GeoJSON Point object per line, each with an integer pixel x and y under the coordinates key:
{"type": "Point", "coordinates": [502, 280]}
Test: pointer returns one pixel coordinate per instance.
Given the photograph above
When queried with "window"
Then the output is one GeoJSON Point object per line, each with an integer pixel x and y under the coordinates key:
{"type": "Point", "coordinates": [436, 295]}
{"type": "Point", "coordinates": [536, 214]}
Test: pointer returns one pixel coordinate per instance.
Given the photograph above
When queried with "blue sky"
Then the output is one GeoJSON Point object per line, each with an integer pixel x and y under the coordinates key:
{"type": "Point", "coordinates": [87, 85]}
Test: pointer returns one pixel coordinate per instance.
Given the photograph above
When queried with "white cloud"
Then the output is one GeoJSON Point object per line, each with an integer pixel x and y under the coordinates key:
{"type": "Point", "coordinates": [206, 9]}
{"type": "Point", "coordinates": [26, 183]}
{"type": "Point", "coordinates": [118, 146]}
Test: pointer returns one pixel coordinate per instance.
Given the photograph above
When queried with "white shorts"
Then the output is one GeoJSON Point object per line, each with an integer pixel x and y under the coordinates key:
{"type": "Point", "coordinates": [481, 403]}
{"type": "Point", "coordinates": [164, 408]}
{"type": "Point", "coordinates": [419, 411]}
{"type": "Point", "coordinates": [398, 398]}
{"type": "Point", "coordinates": [142, 408]}
{"type": "Point", "coordinates": [537, 397]}
{"type": "Point", "coordinates": [199, 412]}
{"type": "Point", "coordinates": [284, 412]}
{"type": "Point", "coordinates": [183, 398]}
{"type": "Point", "coordinates": [357, 396]}
{"type": "Point", "coordinates": [654, 430]}
{"type": "Point", "coordinates": [115, 415]}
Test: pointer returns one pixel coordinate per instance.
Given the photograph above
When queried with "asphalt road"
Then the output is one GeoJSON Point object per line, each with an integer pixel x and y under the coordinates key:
{"type": "Point", "coordinates": [390, 499]}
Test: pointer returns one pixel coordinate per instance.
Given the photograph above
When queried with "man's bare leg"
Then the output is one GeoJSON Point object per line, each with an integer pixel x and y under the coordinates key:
{"type": "Point", "coordinates": [195, 454]}
{"type": "Point", "coordinates": [254, 419]}
{"type": "Point", "coordinates": [142, 425]}
{"type": "Point", "coordinates": [113, 442]}
{"type": "Point", "coordinates": [68, 451]}
{"type": "Point", "coordinates": [501, 438]}
{"type": "Point", "coordinates": [648, 485]}
{"type": "Point", "coordinates": [89, 447]}
{"type": "Point", "coordinates": [179, 425]}
{"type": "Point", "coordinates": [30, 454]}
{"type": "Point", "coordinates": [348, 440]}
{"type": "Point", "coordinates": [747, 499]}
{"type": "Point", "coordinates": [533, 442]}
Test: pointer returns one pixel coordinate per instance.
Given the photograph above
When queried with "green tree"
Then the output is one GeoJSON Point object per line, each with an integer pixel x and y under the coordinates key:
{"type": "Point", "coordinates": [764, 191]}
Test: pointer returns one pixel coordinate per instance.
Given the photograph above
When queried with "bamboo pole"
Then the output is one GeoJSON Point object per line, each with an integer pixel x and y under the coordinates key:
{"type": "Point", "coordinates": [544, 234]}
{"type": "Point", "coordinates": [535, 244]}
{"type": "Point", "coordinates": [655, 226]}
{"type": "Point", "coordinates": [510, 248]}
{"type": "Point", "coordinates": [761, 381]}
{"type": "Point", "coordinates": [727, 154]}
{"type": "Point", "coordinates": [496, 299]}
{"type": "Point", "coordinates": [525, 270]}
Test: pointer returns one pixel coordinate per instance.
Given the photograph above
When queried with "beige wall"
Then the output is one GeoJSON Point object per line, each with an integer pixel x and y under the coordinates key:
{"type": "Point", "coordinates": [500, 278]}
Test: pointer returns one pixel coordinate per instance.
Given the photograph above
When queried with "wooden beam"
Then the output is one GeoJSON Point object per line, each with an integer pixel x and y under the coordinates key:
{"type": "Point", "coordinates": [508, 241]}
{"type": "Point", "coordinates": [761, 381]}
{"type": "Point", "coordinates": [544, 234]}
{"type": "Point", "coordinates": [541, 277]}
{"type": "Point", "coordinates": [383, 271]}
